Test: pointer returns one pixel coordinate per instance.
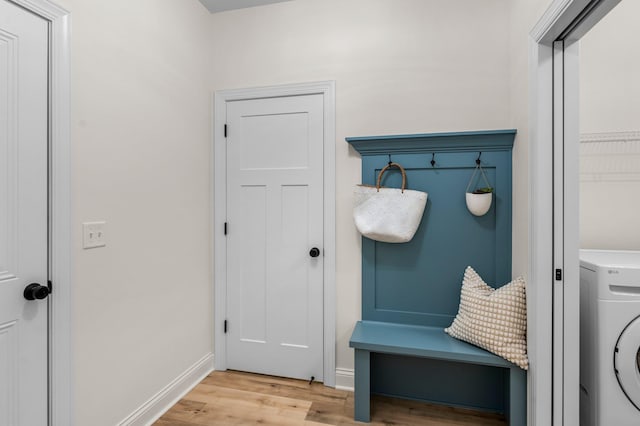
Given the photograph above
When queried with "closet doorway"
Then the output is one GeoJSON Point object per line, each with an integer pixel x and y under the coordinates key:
{"type": "Point", "coordinates": [274, 231]}
{"type": "Point", "coordinates": [554, 208]}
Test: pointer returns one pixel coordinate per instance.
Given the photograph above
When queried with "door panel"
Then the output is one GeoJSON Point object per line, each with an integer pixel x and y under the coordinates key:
{"type": "Point", "coordinates": [8, 372]}
{"type": "Point", "coordinates": [566, 284]}
{"type": "Point", "coordinates": [275, 215]}
{"type": "Point", "coordinates": [252, 280]}
{"type": "Point", "coordinates": [23, 215]}
{"type": "Point", "coordinates": [295, 261]}
{"type": "Point", "coordinates": [558, 239]}
{"type": "Point", "coordinates": [265, 135]}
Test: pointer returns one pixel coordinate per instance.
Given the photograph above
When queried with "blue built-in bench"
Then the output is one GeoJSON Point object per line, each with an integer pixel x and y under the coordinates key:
{"type": "Point", "coordinates": [433, 343]}
{"type": "Point", "coordinates": [411, 291]}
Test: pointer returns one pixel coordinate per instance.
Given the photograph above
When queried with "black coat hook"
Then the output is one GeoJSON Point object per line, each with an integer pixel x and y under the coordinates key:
{"type": "Point", "coordinates": [390, 159]}
{"type": "Point", "coordinates": [478, 159]}
{"type": "Point", "coordinates": [433, 159]}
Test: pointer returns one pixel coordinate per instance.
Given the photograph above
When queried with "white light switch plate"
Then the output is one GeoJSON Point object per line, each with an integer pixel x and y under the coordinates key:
{"type": "Point", "coordinates": [93, 234]}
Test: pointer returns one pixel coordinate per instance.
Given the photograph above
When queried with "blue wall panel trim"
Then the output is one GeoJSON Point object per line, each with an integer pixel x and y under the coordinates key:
{"type": "Point", "coordinates": [488, 140]}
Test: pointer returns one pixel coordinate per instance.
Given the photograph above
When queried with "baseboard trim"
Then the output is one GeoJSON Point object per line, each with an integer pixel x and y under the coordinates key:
{"type": "Point", "coordinates": [345, 379]}
{"type": "Point", "coordinates": [160, 403]}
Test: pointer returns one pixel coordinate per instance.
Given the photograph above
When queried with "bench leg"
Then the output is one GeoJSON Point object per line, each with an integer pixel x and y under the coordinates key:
{"type": "Point", "coordinates": [517, 410]}
{"type": "Point", "coordinates": [362, 393]}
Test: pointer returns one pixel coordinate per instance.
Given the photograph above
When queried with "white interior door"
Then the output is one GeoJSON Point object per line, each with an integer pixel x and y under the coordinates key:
{"type": "Point", "coordinates": [275, 220]}
{"type": "Point", "coordinates": [23, 216]}
{"type": "Point", "coordinates": [566, 288]}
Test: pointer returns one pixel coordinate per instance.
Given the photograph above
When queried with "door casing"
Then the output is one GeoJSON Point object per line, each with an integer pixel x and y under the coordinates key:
{"type": "Point", "coordinates": [219, 208]}
{"type": "Point", "coordinates": [553, 214]}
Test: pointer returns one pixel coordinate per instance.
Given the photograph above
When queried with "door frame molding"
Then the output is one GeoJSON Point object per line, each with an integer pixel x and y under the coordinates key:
{"type": "Point", "coordinates": [219, 209]}
{"type": "Point", "coordinates": [60, 230]}
{"type": "Point", "coordinates": [553, 233]}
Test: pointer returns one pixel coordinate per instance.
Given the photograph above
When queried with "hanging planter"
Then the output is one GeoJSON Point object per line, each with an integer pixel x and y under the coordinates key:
{"type": "Point", "coordinates": [479, 200]}
{"type": "Point", "coordinates": [479, 203]}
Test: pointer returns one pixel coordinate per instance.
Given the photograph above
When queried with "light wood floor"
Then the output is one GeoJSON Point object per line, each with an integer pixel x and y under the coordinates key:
{"type": "Point", "coordinates": [235, 398]}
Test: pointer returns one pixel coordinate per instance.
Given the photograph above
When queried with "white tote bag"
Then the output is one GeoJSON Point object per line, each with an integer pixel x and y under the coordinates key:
{"type": "Point", "coordinates": [389, 215]}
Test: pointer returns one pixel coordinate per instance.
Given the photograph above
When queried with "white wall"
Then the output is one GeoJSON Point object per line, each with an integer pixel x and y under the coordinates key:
{"type": "Point", "coordinates": [400, 66]}
{"type": "Point", "coordinates": [141, 140]}
{"type": "Point", "coordinates": [609, 106]}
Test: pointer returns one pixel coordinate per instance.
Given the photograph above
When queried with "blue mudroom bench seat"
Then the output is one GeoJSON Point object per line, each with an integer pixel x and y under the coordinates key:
{"type": "Point", "coordinates": [428, 342]}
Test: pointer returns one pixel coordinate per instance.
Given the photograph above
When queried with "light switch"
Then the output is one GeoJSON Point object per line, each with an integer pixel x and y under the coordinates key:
{"type": "Point", "coordinates": [93, 234]}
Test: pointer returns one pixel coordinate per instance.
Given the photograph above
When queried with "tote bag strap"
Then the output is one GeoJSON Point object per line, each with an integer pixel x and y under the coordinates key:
{"type": "Point", "coordinates": [385, 168]}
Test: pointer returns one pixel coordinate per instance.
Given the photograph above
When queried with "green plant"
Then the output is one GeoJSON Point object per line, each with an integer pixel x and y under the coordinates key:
{"type": "Point", "coordinates": [485, 190]}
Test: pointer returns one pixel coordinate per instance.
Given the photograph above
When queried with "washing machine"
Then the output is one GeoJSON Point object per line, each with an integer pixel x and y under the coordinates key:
{"type": "Point", "coordinates": [609, 338]}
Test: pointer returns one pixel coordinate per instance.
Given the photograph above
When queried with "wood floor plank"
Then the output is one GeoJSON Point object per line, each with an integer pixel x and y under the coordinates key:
{"type": "Point", "coordinates": [247, 403]}
{"type": "Point", "coordinates": [208, 393]}
{"type": "Point", "coordinates": [275, 386]}
{"type": "Point", "coordinates": [184, 410]}
{"type": "Point", "coordinates": [231, 398]}
{"type": "Point", "coordinates": [164, 421]}
{"type": "Point", "coordinates": [406, 410]}
{"type": "Point", "coordinates": [220, 413]}
{"type": "Point", "coordinates": [170, 422]}
{"type": "Point", "coordinates": [330, 413]}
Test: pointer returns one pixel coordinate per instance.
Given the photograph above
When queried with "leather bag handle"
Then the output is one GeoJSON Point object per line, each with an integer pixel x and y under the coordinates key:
{"type": "Point", "coordinates": [385, 168]}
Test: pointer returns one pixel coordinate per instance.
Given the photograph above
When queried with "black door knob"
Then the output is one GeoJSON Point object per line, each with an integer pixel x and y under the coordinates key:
{"type": "Point", "coordinates": [314, 252]}
{"type": "Point", "coordinates": [35, 291]}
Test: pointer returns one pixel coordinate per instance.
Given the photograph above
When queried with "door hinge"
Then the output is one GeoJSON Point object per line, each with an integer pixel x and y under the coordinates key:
{"type": "Point", "coordinates": [225, 130]}
{"type": "Point", "coordinates": [50, 285]}
{"type": "Point", "coordinates": [558, 274]}
{"type": "Point", "coordinates": [226, 228]}
{"type": "Point", "coordinates": [225, 326]}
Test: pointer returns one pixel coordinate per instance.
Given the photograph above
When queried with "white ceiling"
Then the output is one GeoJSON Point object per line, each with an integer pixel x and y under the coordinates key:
{"type": "Point", "coordinates": [222, 5]}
